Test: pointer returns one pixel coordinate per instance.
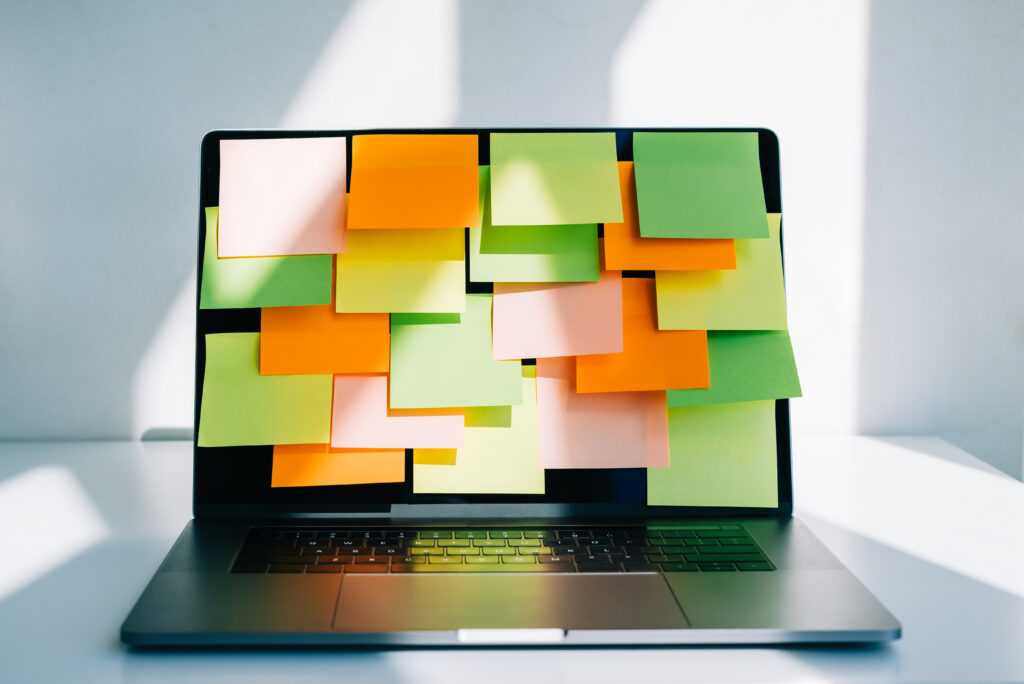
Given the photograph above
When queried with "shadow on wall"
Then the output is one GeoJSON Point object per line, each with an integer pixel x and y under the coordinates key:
{"type": "Point", "coordinates": [942, 337]}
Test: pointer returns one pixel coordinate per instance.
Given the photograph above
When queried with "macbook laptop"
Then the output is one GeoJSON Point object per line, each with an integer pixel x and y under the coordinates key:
{"type": "Point", "coordinates": [494, 386]}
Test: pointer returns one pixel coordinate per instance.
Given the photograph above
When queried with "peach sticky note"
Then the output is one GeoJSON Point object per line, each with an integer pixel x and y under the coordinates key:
{"type": "Point", "coordinates": [281, 196]}
{"type": "Point", "coordinates": [651, 359]}
{"type": "Point", "coordinates": [315, 339]}
{"type": "Point", "coordinates": [606, 430]}
{"type": "Point", "coordinates": [361, 419]}
{"type": "Point", "coordinates": [624, 249]}
{"type": "Point", "coordinates": [317, 465]}
{"type": "Point", "coordinates": [558, 319]}
{"type": "Point", "coordinates": [414, 181]}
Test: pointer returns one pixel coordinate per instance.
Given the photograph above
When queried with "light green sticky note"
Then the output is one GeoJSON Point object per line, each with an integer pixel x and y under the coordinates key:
{"type": "Point", "coordinates": [745, 366]}
{"type": "Point", "coordinates": [488, 416]}
{"type": "Point", "coordinates": [699, 185]}
{"type": "Point", "coordinates": [438, 362]}
{"type": "Point", "coordinates": [719, 455]}
{"type": "Point", "coordinates": [751, 297]}
{"type": "Point", "coordinates": [554, 179]}
{"type": "Point", "coordinates": [240, 407]}
{"type": "Point", "coordinates": [492, 460]}
{"type": "Point", "coordinates": [251, 282]}
{"type": "Point", "coordinates": [530, 254]}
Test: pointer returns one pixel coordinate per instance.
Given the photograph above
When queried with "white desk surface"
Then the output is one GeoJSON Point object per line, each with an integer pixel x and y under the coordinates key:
{"type": "Point", "coordinates": [937, 535]}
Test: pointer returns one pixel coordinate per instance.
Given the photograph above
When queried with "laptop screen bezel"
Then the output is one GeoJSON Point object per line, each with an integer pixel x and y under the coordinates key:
{"type": "Point", "coordinates": [214, 496]}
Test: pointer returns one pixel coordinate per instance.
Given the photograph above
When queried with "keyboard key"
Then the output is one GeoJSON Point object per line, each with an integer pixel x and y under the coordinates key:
{"type": "Point", "coordinates": [505, 534]}
{"type": "Point", "coordinates": [533, 550]}
{"type": "Point", "coordinates": [453, 542]}
{"type": "Point", "coordinates": [390, 551]}
{"type": "Point", "coordinates": [672, 541]}
{"type": "Point", "coordinates": [463, 551]}
{"type": "Point", "coordinates": [412, 543]}
{"type": "Point", "coordinates": [724, 557]}
{"type": "Point", "coordinates": [336, 560]}
{"type": "Point", "coordinates": [754, 566]}
{"type": "Point", "coordinates": [409, 560]}
{"type": "Point", "coordinates": [482, 560]}
{"type": "Point", "coordinates": [554, 559]}
{"type": "Point", "coordinates": [524, 542]}
{"type": "Point", "coordinates": [444, 560]}
{"type": "Point", "coordinates": [728, 549]}
{"type": "Point", "coordinates": [518, 559]}
{"type": "Point", "coordinates": [721, 533]}
{"type": "Point", "coordinates": [400, 534]}
{"type": "Point", "coordinates": [657, 558]}
{"type": "Point", "coordinates": [679, 567]}
{"type": "Point", "coordinates": [573, 534]}
{"type": "Point", "coordinates": [569, 551]}
{"type": "Point", "coordinates": [325, 567]}
{"type": "Point", "coordinates": [349, 543]}
{"type": "Point", "coordinates": [426, 551]}
{"type": "Point", "coordinates": [639, 567]}
{"type": "Point", "coordinates": [349, 551]}
{"type": "Point", "coordinates": [287, 567]}
{"type": "Point", "coordinates": [435, 534]}
{"type": "Point", "coordinates": [538, 534]}
{"type": "Point", "coordinates": [678, 533]}
{"type": "Point", "coordinates": [498, 551]}
{"type": "Point", "coordinates": [365, 567]}
{"type": "Point", "coordinates": [471, 534]}
{"type": "Point", "coordinates": [735, 541]}
{"type": "Point", "coordinates": [716, 567]}
{"type": "Point", "coordinates": [250, 568]}
{"type": "Point", "coordinates": [490, 542]}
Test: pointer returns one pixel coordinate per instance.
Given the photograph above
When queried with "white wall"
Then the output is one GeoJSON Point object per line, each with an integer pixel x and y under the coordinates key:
{"type": "Point", "coordinates": [103, 112]}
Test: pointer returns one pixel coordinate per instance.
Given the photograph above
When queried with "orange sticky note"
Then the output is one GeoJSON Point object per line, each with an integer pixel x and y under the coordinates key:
{"type": "Point", "coordinates": [651, 359]}
{"type": "Point", "coordinates": [317, 465]}
{"type": "Point", "coordinates": [601, 430]}
{"type": "Point", "coordinates": [624, 249]}
{"type": "Point", "coordinates": [414, 181]}
{"type": "Point", "coordinates": [298, 340]}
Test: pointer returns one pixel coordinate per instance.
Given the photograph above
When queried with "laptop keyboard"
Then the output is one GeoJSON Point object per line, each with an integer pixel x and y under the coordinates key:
{"type": "Point", "coordinates": [693, 548]}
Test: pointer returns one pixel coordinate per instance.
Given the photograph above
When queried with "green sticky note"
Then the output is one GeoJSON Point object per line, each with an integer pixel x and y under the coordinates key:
{"type": "Point", "coordinates": [530, 254]}
{"type": "Point", "coordinates": [719, 455]}
{"type": "Point", "coordinates": [437, 362]}
{"type": "Point", "coordinates": [699, 185]}
{"type": "Point", "coordinates": [751, 297]}
{"type": "Point", "coordinates": [554, 179]}
{"type": "Point", "coordinates": [488, 416]}
{"type": "Point", "coordinates": [492, 460]}
{"type": "Point", "coordinates": [251, 282]}
{"type": "Point", "coordinates": [240, 407]}
{"type": "Point", "coordinates": [745, 366]}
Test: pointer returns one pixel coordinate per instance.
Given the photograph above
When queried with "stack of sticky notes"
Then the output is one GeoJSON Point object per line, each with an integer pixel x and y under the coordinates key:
{"type": "Point", "coordinates": [632, 314]}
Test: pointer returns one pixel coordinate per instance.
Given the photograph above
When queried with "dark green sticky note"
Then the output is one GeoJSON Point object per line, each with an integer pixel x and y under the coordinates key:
{"type": "Point", "coordinates": [252, 282]}
{"type": "Point", "coordinates": [699, 185]}
{"type": "Point", "coordinates": [745, 366]}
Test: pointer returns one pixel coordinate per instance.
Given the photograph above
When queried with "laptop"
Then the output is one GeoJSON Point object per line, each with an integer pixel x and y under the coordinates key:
{"type": "Point", "coordinates": [476, 466]}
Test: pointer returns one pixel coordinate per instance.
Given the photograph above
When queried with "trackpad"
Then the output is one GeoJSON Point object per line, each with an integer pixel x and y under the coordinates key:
{"type": "Point", "coordinates": [389, 603]}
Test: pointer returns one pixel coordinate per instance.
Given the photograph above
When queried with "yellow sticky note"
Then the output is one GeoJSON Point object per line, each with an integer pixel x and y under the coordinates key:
{"type": "Point", "coordinates": [441, 457]}
{"type": "Point", "coordinates": [751, 297]}
{"type": "Point", "coordinates": [492, 460]}
{"type": "Point", "coordinates": [403, 271]}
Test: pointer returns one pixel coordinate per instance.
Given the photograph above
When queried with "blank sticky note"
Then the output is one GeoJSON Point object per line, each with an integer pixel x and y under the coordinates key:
{"type": "Point", "coordinates": [318, 465]}
{"type": "Point", "coordinates": [413, 181]}
{"type": "Point", "coordinates": [651, 359]}
{"type": "Point", "coordinates": [282, 196]}
{"type": "Point", "coordinates": [745, 366]}
{"type": "Point", "coordinates": [493, 460]}
{"type": "Point", "coordinates": [314, 339]}
{"type": "Point", "coordinates": [699, 185]}
{"type": "Point", "coordinates": [402, 271]}
{"type": "Point", "coordinates": [445, 457]}
{"type": "Point", "coordinates": [445, 360]}
{"type": "Point", "coordinates": [554, 178]}
{"type": "Point", "coordinates": [260, 281]}
{"type": "Point", "coordinates": [624, 249]}
{"type": "Point", "coordinates": [361, 419]}
{"type": "Point", "coordinates": [721, 455]}
{"type": "Point", "coordinates": [530, 254]}
{"type": "Point", "coordinates": [242, 408]}
{"type": "Point", "coordinates": [604, 430]}
{"type": "Point", "coordinates": [560, 319]}
{"type": "Point", "coordinates": [751, 297]}
{"type": "Point", "coordinates": [488, 416]}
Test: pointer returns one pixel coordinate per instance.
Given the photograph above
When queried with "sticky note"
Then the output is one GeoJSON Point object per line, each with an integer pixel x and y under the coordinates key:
{"type": "Point", "coordinates": [745, 366]}
{"type": "Point", "coordinates": [281, 196]}
{"type": "Point", "coordinates": [699, 185]}
{"type": "Point", "coordinates": [651, 359]}
{"type": "Point", "coordinates": [603, 430]}
{"type": "Point", "coordinates": [318, 465]}
{"type": "Point", "coordinates": [242, 408]}
{"type": "Point", "coordinates": [721, 455]}
{"type": "Point", "coordinates": [554, 178]}
{"type": "Point", "coordinates": [437, 361]}
{"type": "Point", "coordinates": [444, 457]}
{"type": "Point", "coordinates": [530, 254]}
{"type": "Point", "coordinates": [413, 181]}
{"type": "Point", "coordinates": [260, 281]}
{"type": "Point", "coordinates": [492, 460]}
{"type": "Point", "coordinates": [752, 297]}
{"type": "Point", "coordinates": [488, 416]}
{"type": "Point", "coordinates": [402, 271]}
{"type": "Point", "coordinates": [624, 249]}
{"type": "Point", "coordinates": [561, 319]}
{"type": "Point", "coordinates": [299, 340]}
{"type": "Point", "coordinates": [362, 419]}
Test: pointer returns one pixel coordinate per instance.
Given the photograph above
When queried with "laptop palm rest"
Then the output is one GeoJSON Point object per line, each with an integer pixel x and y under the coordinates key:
{"type": "Point", "coordinates": [389, 603]}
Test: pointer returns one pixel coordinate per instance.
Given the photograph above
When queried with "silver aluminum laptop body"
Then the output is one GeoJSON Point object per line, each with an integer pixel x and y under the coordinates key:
{"type": "Point", "coordinates": [194, 600]}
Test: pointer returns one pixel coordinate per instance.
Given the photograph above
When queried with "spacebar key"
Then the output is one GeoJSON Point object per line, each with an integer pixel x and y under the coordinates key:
{"type": "Point", "coordinates": [483, 568]}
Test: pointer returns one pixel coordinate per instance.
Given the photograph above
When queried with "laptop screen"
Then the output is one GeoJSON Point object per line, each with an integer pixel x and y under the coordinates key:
{"type": "Point", "coordinates": [492, 316]}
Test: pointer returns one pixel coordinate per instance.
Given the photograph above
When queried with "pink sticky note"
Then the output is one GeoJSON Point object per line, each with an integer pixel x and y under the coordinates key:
{"type": "Point", "coordinates": [281, 196]}
{"type": "Point", "coordinates": [361, 419]}
{"type": "Point", "coordinates": [599, 430]}
{"type": "Point", "coordinates": [559, 319]}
